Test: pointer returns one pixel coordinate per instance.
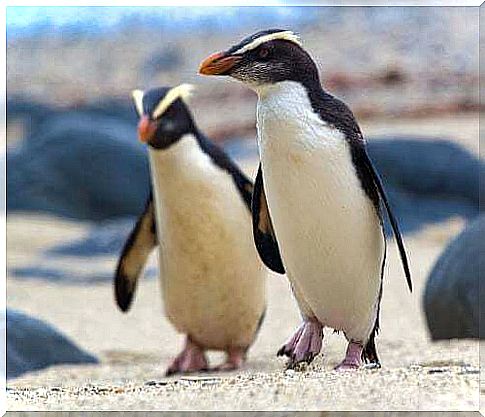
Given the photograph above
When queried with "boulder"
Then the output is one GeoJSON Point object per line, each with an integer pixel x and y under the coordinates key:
{"type": "Point", "coordinates": [455, 289]}
{"type": "Point", "coordinates": [427, 181]}
{"type": "Point", "coordinates": [439, 169]}
{"type": "Point", "coordinates": [33, 344]}
{"type": "Point", "coordinates": [32, 114]}
{"type": "Point", "coordinates": [80, 166]}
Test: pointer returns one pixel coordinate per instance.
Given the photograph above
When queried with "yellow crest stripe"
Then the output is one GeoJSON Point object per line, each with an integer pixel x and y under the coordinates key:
{"type": "Point", "coordinates": [182, 91]}
{"type": "Point", "coordinates": [287, 35]}
{"type": "Point", "coordinates": [137, 96]}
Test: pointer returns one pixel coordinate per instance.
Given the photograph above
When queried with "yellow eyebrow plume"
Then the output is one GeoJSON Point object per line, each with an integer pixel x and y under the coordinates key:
{"type": "Point", "coordinates": [286, 35]}
{"type": "Point", "coordinates": [137, 96]}
{"type": "Point", "coordinates": [182, 91]}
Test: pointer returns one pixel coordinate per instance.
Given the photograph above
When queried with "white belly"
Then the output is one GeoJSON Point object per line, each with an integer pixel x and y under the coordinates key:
{"type": "Point", "coordinates": [213, 283]}
{"type": "Point", "coordinates": [328, 230]}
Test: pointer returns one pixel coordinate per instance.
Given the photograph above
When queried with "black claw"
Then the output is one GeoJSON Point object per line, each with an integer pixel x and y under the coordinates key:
{"type": "Point", "coordinates": [284, 351]}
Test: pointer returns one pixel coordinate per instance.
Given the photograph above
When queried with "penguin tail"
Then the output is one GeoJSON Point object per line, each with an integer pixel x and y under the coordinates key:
{"type": "Point", "coordinates": [133, 257]}
{"type": "Point", "coordinates": [369, 354]}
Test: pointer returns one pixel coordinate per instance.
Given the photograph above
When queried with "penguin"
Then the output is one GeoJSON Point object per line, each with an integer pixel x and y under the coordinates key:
{"type": "Point", "coordinates": [318, 202]}
{"type": "Point", "coordinates": [212, 280]}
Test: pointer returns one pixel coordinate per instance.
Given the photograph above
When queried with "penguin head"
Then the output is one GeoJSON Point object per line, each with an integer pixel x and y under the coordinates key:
{"type": "Point", "coordinates": [267, 57]}
{"type": "Point", "coordinates": [164, 115]}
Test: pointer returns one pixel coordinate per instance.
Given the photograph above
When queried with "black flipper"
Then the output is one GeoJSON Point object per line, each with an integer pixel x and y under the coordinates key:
{"type": "Point", "coordinates": [263, 232]}
{"type": "Point", "coordinates": [371, 173]}
{"type": "Point", "coordinates": [137, 248]}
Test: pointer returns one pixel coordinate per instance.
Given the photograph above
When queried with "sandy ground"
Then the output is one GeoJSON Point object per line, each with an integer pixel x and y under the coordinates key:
{"type": "Point", "coordinates": [245, 414]}
{"type": "Point", "coordinates": [136, 348]}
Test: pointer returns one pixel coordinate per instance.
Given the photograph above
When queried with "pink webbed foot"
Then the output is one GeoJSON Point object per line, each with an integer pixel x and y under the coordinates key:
{"type": "Point", "coordinates": [191, 359]}
{"type": "Point", "coordinates": [304, 345]}
{"type": "Point", "coordinates": [353, 358]}
{"type": "Point", "coordinates": [234, 360]}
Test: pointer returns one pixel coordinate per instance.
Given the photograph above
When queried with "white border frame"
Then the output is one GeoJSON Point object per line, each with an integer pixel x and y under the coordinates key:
{"type": "Point", "coordinates": [156, 3]}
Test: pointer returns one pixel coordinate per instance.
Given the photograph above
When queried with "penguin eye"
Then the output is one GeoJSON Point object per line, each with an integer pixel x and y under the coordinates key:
{"type": "Point", "coordinates": [263, 52]}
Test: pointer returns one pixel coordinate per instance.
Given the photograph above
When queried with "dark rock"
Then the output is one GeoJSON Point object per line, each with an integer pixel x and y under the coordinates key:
{"type": "Point", "coordinates": [432, 168]}
{"type": "Point", "coordinates": [79, 166]}
{"type": "Point", "coordinates": [33, 344]}
{"type": "Point", "coordinates": [35, 114]}
{"type": "Point", "coordinates": [455, 290]}
{"type": "Point", "coordinates": [413, 211]}
{"type": "Point", "coordinates": [427, 181]}
{"type": "Point", "coordinates": [31, 113]}
{"type": "Point", "coordinates": [114, 108]}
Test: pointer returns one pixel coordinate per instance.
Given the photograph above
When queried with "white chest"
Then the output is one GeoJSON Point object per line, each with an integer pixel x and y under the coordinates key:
{"type": "Point", "coordinates": [213, 283]}
{"type": "Point", "coordinates": [304, 160]}
{"type": "Point", "coordinates": [193, 199]}
{"type": "Point", "coordinates": [328, 230]}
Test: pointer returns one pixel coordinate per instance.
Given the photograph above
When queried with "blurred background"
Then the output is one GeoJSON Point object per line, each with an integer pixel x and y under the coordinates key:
{"type": "Point", "coordinates": [77, 176]}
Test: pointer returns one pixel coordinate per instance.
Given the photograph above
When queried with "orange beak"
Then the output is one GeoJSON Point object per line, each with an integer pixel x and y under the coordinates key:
{"type": "Point", "coordinates": [146, 129]}
{"type": "Point", "coordinates": [218, 64]}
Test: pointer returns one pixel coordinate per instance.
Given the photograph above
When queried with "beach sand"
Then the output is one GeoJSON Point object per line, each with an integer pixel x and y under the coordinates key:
{"type": "Point", "coordinates": [246, 414]}
{"type": "Point", "coordinates": [136, 348]}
